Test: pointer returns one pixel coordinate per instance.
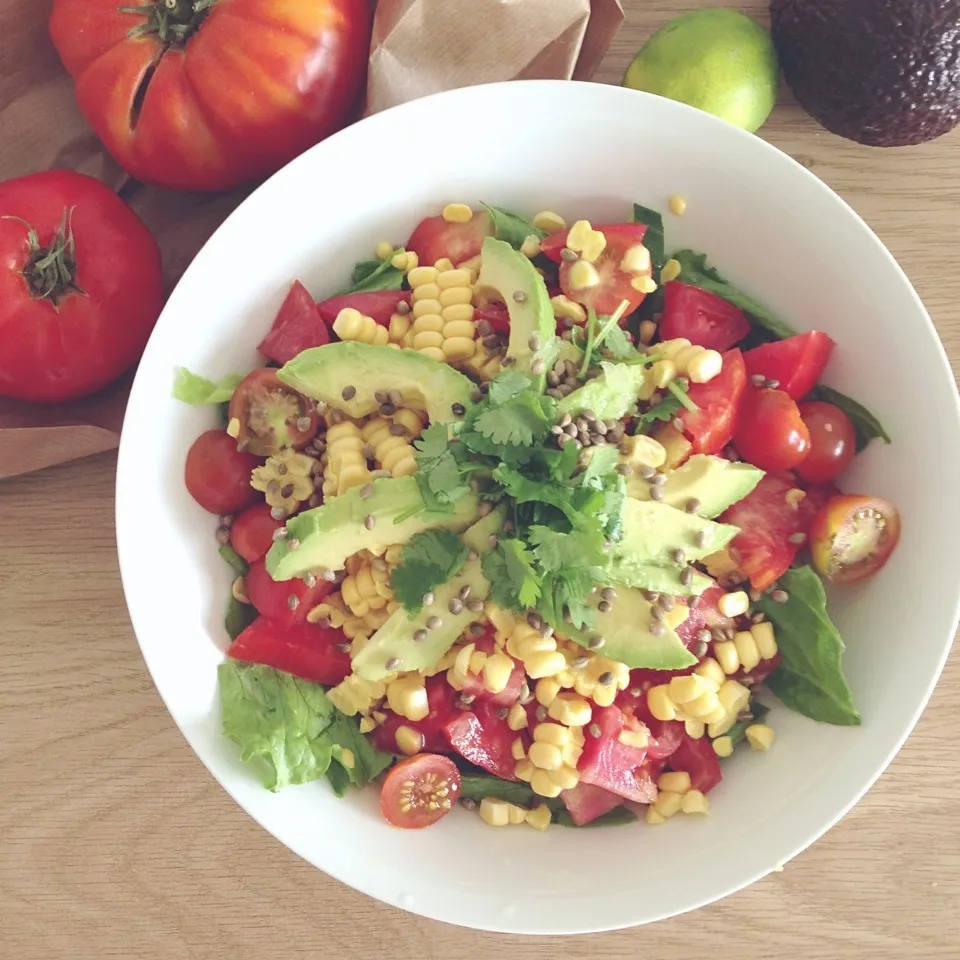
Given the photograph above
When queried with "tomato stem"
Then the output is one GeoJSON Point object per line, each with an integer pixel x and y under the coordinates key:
{"type": "Point", "coordinates": [173, 22]}
{"type": "Point", "coordinates": [51, 272]}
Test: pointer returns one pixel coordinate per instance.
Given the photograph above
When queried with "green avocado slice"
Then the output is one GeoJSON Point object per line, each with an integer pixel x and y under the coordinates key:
{"type": "Point", "coordinates": [610, 396]}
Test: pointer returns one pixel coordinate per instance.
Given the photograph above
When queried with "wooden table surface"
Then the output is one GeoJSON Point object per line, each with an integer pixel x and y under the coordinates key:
{"type": "Point", "coordinates": [116, 842]}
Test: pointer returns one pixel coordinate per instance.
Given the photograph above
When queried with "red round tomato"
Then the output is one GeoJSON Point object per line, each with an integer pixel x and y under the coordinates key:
{"type": "Point", "coordinates": [710, 429]}
{"type": "Point", "coordinates": [297, 327]}
{"type": "Point", "coordinates": [80, 286]}
{"type": "Point", "coordinates": [701, 317]}
{"type": "Point", "coordinates": [285, 602]}
{"type": "Point", "coordinates": [770, 433]}
{"type": "Point", "coordinates": [207, 96]}
{"type": "Point", "coordinates": [251, 534]}
{"type": "Point", "coordinates": [833, 442]}
{"type": "Point", "coordinates": [853, 536]}
{"type": "Point", "coordinates": [271, 415]}
{"type": "Point", "coordinates": [435, 238]}
{"type": "Point", "coordinates": [217, 475]}
{"type": "Point", "coordinates": [419, 791]}
{"type": "Point", "coordinates": [795, 364]}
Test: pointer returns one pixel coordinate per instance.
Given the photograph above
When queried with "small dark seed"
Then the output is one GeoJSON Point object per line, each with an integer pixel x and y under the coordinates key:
{"type": "Point", "coordinates": [772, 384]}
{"type": "Point", "coordinates": [428, 599]}
{"type": "Point", "coordinates": [465, 592]}
{"type": "Point", "coordinates": [398, 430]}
{"type": "Point", "coordinates": [366, 491]}
{"type": "Point", "coordinates": [797, 537]}
{"type": "Point", "coordinates": [502, 713]}
{"type": "Point", "coordinates": [281, 469]}
{"type": "Point", "coordinates": [605, 678]}
{"type": "Point", "coordinates": [658, 479]}
{"type": "Point", "coordinates": [534, 343]}
{"type": "Point", "coordinates": [537, 367]}
{"type": "Point", "coordinates": [595, 730]}
{"type": "Point", "coordinates": [552, 380]}
{"type": "Point", "coordinates": [310, 579]}
{"type": "Point", "coordinates": [780, 596]}
{"type": "Point", "coordinates": [700, 540]}
{"type": "Point", "coordinates": [349, 392]}
{"type": "Point", "coordinates": [758, 617]}
{"type": "Point", "coordinates": [656, 629]}
{"type": "Point", "coordinates": [326, 574]}
{"type": "Point", "coordinates": [280, 533]}
{"type": "Point", "coordinates": [580, 663]}
{"type": "Point", "coordinates": [692, 505]}
{"type": "Point", "coordinates": [477, 630]}
{"type": "Point", "coordinates": [467, 698]}
{"type": "Point", "coordinates": [520, 297]}
{"type": "Point", "coordinates": [388, 409]}
{"type": "Point", "coordinates": [556, 395]}
{"type": "Point", "coordinates": [525, 695]}
{"type": "Point", "coordinates": [458, 409]}
{"type": "Point", "coordinates": [656, 612]}
{"type": "Point", "coordinates": [566, 420]}
{"type": "Point", "coordinates": [392, 664]}
{"type": "Point", "coordinates": [368, 452]}
{"type": "Point", "coordinates": [491, 342]}
{"type": "Point", "coordinates": [601, 428]}
{"type": "Point", "coordinates": [434, 623]}
{"type": "Point", "coordinates": [595, 643]}
{"type": "Point", "coordinates": [541, 713]}
{"type": "Point", "coordinates": [646, 471]}
{"type": "Point", "coordinates": [718, 634]}
{"type": "Point", "coordinates": [677, 556]}
{"type": "Point", "coordinates": [569, 255]}
{"type": "Point", "coordinates": [657, 493]}
{"type": "Point", "coordinates": [556, 429]}
{"type": "Point", "coordinates": [604, 606]}
{"type": "Point", "coordinates": [395, 397]}
{"type": "Point", "coordinates": [223, 536]}
{"type": "Point", "coordinates": [403, 308]}
{"type": "Point", "coordinates": [369, 521]}
{"type": "Point", "coordinates": [475, 606]}
{"type": "Point", "coordinates": [468, 804]}
{"type": "Point", "coordinates": [686, 576]}
{"type": "Point", "coordinates": [597, 439]}
{"type": "Point", "coordinates": [286, 490]}
{"type": "Point", "coordinates": [608, 593]}
{"type": "Point", "coordinates": [455, 606]}
{"type": "Point", "coordinates": [381, 396]}
{"type": "Point", "coordinates": [343, 647]}
{"type": "Point", "coordinates": [700, 649]}
{"type": "Point", "coordinates": [535, 620]}
{"type": "Point", "coordinates": [293, 543]}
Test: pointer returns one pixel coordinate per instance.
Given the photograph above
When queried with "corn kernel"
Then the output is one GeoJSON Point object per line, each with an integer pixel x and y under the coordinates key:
{"type": "Point", "coordinates": [715, 720]}
{"type": "Point", "coordinates": [695, 729]}
{"type": "Point", "coordinates": [546, 756]}
{"type": "Point", "coordinates": [722, 726]}
{"type": "Point", "coordinates": [494, 812]}
{"type": "Point", "coordinates": [654, 818]}
{"type": "Point", "coordinates": [502, 620]}
{"type": "Point", "coordinates": [367, 724]}
{"type": "Point", "coordinates": [533, 644]}
{"type": "Point", "coordinates": [695, 802]}
{"type": "Point", "coordinates": [704, 366]}
{"type": "Point", "coordinates": [670, 271]}
{"type": "Point", "coordinates": [543, 785]}
{"type": "Point", "coordinates": [793, 497]}
{"type": "Point", "coordinates": [477, 660]}
{"type": "Point", "coordinates": [552, 733]}
{"type": "Point", "coordinates": [407, 697]}
{"type": "Point", "coordinates": [422, 275]}
{"type": "Point", "coordinates": [726, 653]}
{"type": "Point", "coordinates": [348, 758]}
{"type": "Point", "coordinates": [517, 718]}
{"type": "Point", "coordinates": [678, 206]}
{"type": "Point", "coordinates": [566, 309]}
{"type": "Point", "coordinates": [636, 259]}
{"type": "Point", "coordinates": [661, 704]}
{"type": "Point", "coordinates": [734, 604]}
{"type": "Point", "coordinates": [734, 696]}
{"type": "Point", "coordinates": [662, 372]}
{"type": "Point", "coordinates": [723, 746]}
{"type": "Point", "coordinates": [746, 650]}
{"type": "Point", "coordinates": [444, 264]}
{"type": "Point", "coordinates": [571, 754]}
{"type": "Point", "coordinates": [233, 428]}
{"type": "Point", "coordinates": [566, 679]}
{"type": "Point", "coordinates": [516, 815]}
{"type": "Point", "coordinates": [583, 275]}
{"type": "Point", "coordinates": [517, 751]}
{"type": "Point", "coordinates": [457, 213]}
{"type": "Point", "coordinates": [453, 278]}
{"type": "Point", "coordinates": [644, 284]}
{"type": "Point", "coordinates": [569, 709]}
{"type": "Point", "coordinates": [462, 664]}
{"type": "Point", "coordinates": [634, 738]}
{"type": "Point", "coordinates": [547, 663]}
{"type": "Point", "coordinates": [539, 817]}
{"type": "Point", "coordinates": [530, 246]}
{"type": "Point", "coordinates": [401, 261]}
{"type": "Point", "coordinates": [603, 696]}
{"type": "Point", "coordinates": [524, 770]}
{"type": "Point", "coordinates": [409, 741]}
{"type": "Point", "coordinates": [702, 707]}
{"type": "Point", "coordinates": [684, 689]}
{"type": "Point", "coordinates": [674, 617]}
{"type": "Point", "coordinates": [765, 640]}
{"type": "Point", "coordinates": [648, 330]}
{"type": "Point", "coordinates": [675, 782]}
{"type": "Point", "coordinates": [549, 222]}
{"type": "Point", "coordinates": [546, 691]}
{"type": "Point", "coordinates": [576, 736]}
{"type": "Point", "coordinates": [667, 804]}
{"type": "Point", "coordinates": [565, 777]}
{"type": "Point", "coordinates": [455, 679]}
{"type": "Point", "coordinates": [711, 671]}
{"type": "Point", "coordinates": [760, 736]}
{"type": "Point", "coordinates": [383, 250]}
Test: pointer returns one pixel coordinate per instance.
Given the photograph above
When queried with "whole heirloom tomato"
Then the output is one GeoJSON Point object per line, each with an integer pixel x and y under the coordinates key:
{"type": "Point", "coordinates": [80, 286]}
{"type": "Point", "coordinates": [210, 94]}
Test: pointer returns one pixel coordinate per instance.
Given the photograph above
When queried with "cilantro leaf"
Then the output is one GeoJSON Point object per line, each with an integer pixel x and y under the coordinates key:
{"type": "Point", "coordinates": [429, 560]}
{"type": "Point", "coordinates": [558, 552]}
{"type": "Point", "coordinates": [572, 565]}
{"type": "Point", "coordinates": [199, 391]}
{"type": "Point", "coordinates": [439, 474]}
{"type": "Point", "coordinates": [668, 408]}
{"type": "Point", "coordinates": [521, 421]}
{"type": "Point", "coordinates": [618, 346]}
{"type": "Point", "coordinates": [506, 386]}
{"type": "Point", "coordinates": [369, 275]}
{"type": "Point", "coordinates": [514, 582]}
{"type": "Point", "coordinates": [603, 460]}
{"type": "Point", "coordinates": [525, 490]}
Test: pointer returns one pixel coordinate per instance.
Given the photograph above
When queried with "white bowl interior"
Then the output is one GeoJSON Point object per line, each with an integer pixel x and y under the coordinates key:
{"type": "Point", "coordinates": [583, 150]}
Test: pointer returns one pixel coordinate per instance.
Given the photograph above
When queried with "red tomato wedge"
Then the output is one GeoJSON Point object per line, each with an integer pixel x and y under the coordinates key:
{"type": "Point", "coordinates": [664, 735]}
{"type": "Point", "coordinates": [297, 327]}
{"type": "Point", "coordinates": [307, 651]}
{"type": "Point", "coordinates": [483, 739]}
{"type": "Point", "coordinates": [701, 317]}
{"type": "Point", "coordinates": [585, 802]}
{"type": "Point", "coordinates": [704, 615]}
{"type": "Point", "coordinates": [379, 305]}
{"type": "Point", "coordinates": [251, 534]}
{"type": "Point", "coordinates": [217, 475]}
{"type": "Point", "coordinates": [612, 765]}
{"type": "Point", "coordinates": [710, 429]}
{"type": "Point", "coordinates": [435, 238]}
{"type": "Point", "coordinates": [440, 699]}
{"type": "Point", "coordinates": [473, 683]}
{"type": "Point", "coordinates": [796, 363]}
{"type": "Point", "coordinates": [285, 602]}
{"type": "Point", "coordinates": [419, 791]}
{"type": "Point", "coordinates": [697, 757]}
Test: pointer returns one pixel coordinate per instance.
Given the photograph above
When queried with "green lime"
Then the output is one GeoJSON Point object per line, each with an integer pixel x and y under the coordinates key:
{"type": "Point", "coordinates": [718, 60]}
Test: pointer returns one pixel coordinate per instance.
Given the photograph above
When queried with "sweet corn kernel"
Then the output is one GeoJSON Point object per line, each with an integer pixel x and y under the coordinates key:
{"type": "Point", "coordinates": [583, 239]}
{"type": "Point", "coordinates": [543, 785]}
{"type": "Point", "coordinates": [675, 782]}
{"type": "Point", "coordinates": [494, 812]}
{"type": "Point", "coordinates": [517, 718]}
{"type": "Point", "coordinates": [661, 704]}
{"type": "Point", "coordinates": [684, 689]}
{"type": "Point", "coordinates": [367, 724]}
{"type": "Point", "coordinates": [539, 817]}
{"type": "Point", "coordinates": [721, 726]}
{"type": "Point", "coordinates": [695, 802]}
{"type": "Point", "coordinates": [566, 309]}
{"type": "Point", "coordinates": [409, 741]}
{"type": "Point", "coordinates": [565, 777]}
{"type": "Point", "coordinates": [667, 804]}
{"type": "Point", "coordinates": [545, 664]}
{"type": "Point", "coordinates": [654, 818]}
{"type": "Point", "coordinates": [746, 649]}
{"type": "Point", "coordinates": [546, 691]}
{"type": "Point", "coordinates": [710, 670]}
{"type": "Point", "coordinates": [407, 697]}
{"type": "Point", "coordinates": [546, 756]}
{"type": "Point", "coordinates": [422, 275]}
{"type": "Point", "coordinates": [516, 815]}
{"type": "Point", "coordinates": [705, 705]}
{"type": "Point", "coordinates": [670, 271]}
{"type": "Point", "coordinates": [462, 664]}
{"type": "Point", "coordinates": [533, 644]}
{"type": "Point", "coordinates": [677, 615]}
{"type": "Point", "coordinates": [453, 278]}
{"type": "Point", "coordinates": [383, 250]}
{"type": "Point", "coordinates": [734, 696]}
{"type": "Point", "coordinates": [644, 284]}
{"type": "Point", "coordinates": [734, 604]}
{"type": "Point", "coordinates": [457, 213]}
{"type": "Point", "coordinates": [552, 733]}
{"type": "Point", "coordinates": [723, 746]}
{"type": "Point", "coordinates": [516, 750]}
{"type": "Point", "coordinates": [583, 275]}
{"type": "Point", "coordinates": [348, 758]}
{"type": "Point", "coordinates": [760, 736]}
{"type": "Point", "coordinates": [571, 754]}
{"type": "Point", "coordinates": [603, 696]}
{"type": "Point", "coordinates": [502, 620]}
{"type": "Point", "coordinates": [444, 264]}
{"type": "Point", "coordinates": [524, 770]}
{"type": "Point", "coordinates": [636, 259]}
{"type": "Point", "coordinates": [569, 709]}
{"type": "Point", "coordinates": [648, 330]}
{"type": "Point", "coordinates": [549, 222]}
{"type": "Point", "coordinates": [530, 246]}
{"type": "Point", "coordinates": [704, 366]}
{"type": "Point", "coordinates": [765, 640]}
{"type": "Point", "coordinates": [497, 670]}
{"type": "Point", "coordinates": [715, 720]}
{"type": "Point", "coordinates": [794, 497]}
{"type": "Point", "coordinates": [566, 679]}
{"type": "Point", "coordinates": [678, 206]}
{"type": "Point", "coordinates": [634, 738]}
{"type": "Point", "coordinates": [661, 373]}
{"type": "Point", "coordinates": [233, 428]}
{"type": "Point", "coordinates": [455, 679]}
{"type": "Point", "coordinates": [695, 729]}
{"type": "Point", "coordinates": [726, 653]}
{"type": "Point", "coordinates": [576, 736]}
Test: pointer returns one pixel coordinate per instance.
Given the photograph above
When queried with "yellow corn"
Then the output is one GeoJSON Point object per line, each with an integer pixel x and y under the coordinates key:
{"type": "Point", "coordinates": [516, 750]}
{"type": "Point", "coordinates": [457, 213]}
{"type": "Point", "coordinates": [661, 704]}
{"type": "Point", "coordinates": [648, 330]}
{"type": "Point", "coordinates": [765, 640]}
{"type": "Point", "coordinates": [444, 264]}
{"type": "Point", "coordinates": [546, 691]}
{"type": "Point", "coordinates": [549, 222]}
{"type": "Point", "coordinates": [678, 447]}
{"type": "Point", "coordinates": [353, 325]}
{"type": "Point", "coordinates": [634, 738]}
{"type": "Point", "coordinates": [547, 663]}
{"type": "Point", "coordinates": [723, 746]}
{"type": "Point", "coordinates": [461, 665]}
{"type": "Point", "coordinates": [636, 259]}
{"type": "Point", "coordinates": [662, 372]}
{"type": "Point", "coordinates": [348, 758]}
{"type": "Point", "coordinates": [516, 815]}
{"type": "Point", "coordinates": [702, 707]}
{"type": "Point", "coordinates": [409, 741]}
{"type": "Point", "coordinates": [670, 271]}
{"type": "Point", "coordinates": [566, 309]}
{"type": "Point", "coordinates": [571, 754]}
{"type": "Point", "coordinates": [539, 817]}
{"type": "Point", "coordinates": [532, 643]}
{"type": "Point", "coordinates": [383, 250]}
{"type": "Point", "coordinates": [407, 697]}
{"type": "Point", "coordinates": [583, 275]}
{"type": "Point", "coordinates": [576, 736]}
{"type": "Point", "coordinates": [543, 786]}
{"type": "Point", "coordinates": [695, 802]}
{"type": "Point", "coordinates": [726, 653]}
{"type": "Point", "coordinates": [690, 360]}
{"type": "Point", "coordinates": [685, 689]}
{"type": "Point", "coordinates": [586, 241]}
{"type": "Point", "coordinates": [747, 649]}
{"type": "Point", "coordinates": [678, 206]}
{"type": "Point", "coordinates": [367, 724]}
{"type": "Point", "coordinates": [551, 733]}
{"type": "Point", "coordinates": [517, 718]}
{"type": "Point", "coordinates": [715, 720]}
{"type": "Point", "coordinates": [569, 709]}
{"type": "Point", "coordinates": [477, 661]}
{"type": "Point", "coordinates": [711, 671]}
{"type": "Point", "coordinates": [794, 496]}
{"type": "Point", "coordinates": [494, 812]}
{"type": "Point", "coordinates": [524, 770]}
{"type": "Point", "coordinates": [676, 615]}
{"type": "Point", "coordinates": [642, 450]}
{"type": "Point", "coordinates": [675, 782]}
{"type": "Point", "coordinates": [546, 756]}
{"type": "Point", "coordinates": [654, 818]}
{"type": "Point", "coordinates": [734, 604]}
{"type": "Point", "coordinates": [760, 736]}
{"type": "Point", "coordinates": [530, 246]}
{"type": "Point", "coordinates": [703, 367]}
{"type": "Point", "coordinates": [734, 696]}
{"type": "Point", "coordinates": [695, 729]}
{"type": "Point", "coordinates": [668, 804]}
{"type": "Point", "coordinates": [565, 777]}
{"type": "Point", "coordinates": [644, 284]}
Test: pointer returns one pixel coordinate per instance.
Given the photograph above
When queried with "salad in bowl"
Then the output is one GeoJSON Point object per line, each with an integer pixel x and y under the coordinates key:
{"type": "Point", "coordinates": [532, 519]}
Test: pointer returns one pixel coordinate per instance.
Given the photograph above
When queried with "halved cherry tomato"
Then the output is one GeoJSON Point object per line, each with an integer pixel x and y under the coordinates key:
{"type": "Point", "coordinates": [441, 700]}
{"type": "Point", "coordinates": [317, 654]}
{"type": "Point", "coordinates": [795, 363]}
{"type": "Point", "coordinates": [770, 433]}
{"type": "Point", "coordinates": [833, 442]}
{"type": "Point", "coordinates": [251, 534]}
{"type": "Point", "coordinates": [612, 765]}
{"type": "Point", "coordinates": [435, 238]}
{"type": "Point", "coordinates": [697, 757]}
{"type": "Point", "coordinates": [614, 286]}
{"type": "Point", "coordinates": [853, 536]}
{"type": "Point", "coordinates": [379, 305]}
{"type": "Point", "coordinates": [297, 327]}
{"type": "Point", "coordinates": [710, 429]}
{"type": "Point", "coordinates": [286, 602]}
{"type": "Point", "coordinates": [271, 414]}
{"type": "Point", "coordinates": [217, 475]}
{"type": "Point", "coordinates": [419, 791]}
{"type": "Point", "coordinates": [629, 233]}
{"type": "Point", "coordinates": [484, 739]}
{"type": "Point", "coordinates": [701, 317]}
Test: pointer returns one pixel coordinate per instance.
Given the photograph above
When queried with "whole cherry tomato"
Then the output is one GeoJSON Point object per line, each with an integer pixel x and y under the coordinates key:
{"type": "Point", "coordinates": [833, 442]}
{"type": "Point", "coordinates": [217, 475]}
{"type": "Point", "coordinates": [770, 433]}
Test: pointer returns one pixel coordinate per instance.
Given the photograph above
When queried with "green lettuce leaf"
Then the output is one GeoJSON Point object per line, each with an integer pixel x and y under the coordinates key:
{"type": "Point", "coordinates": [238, 617]}
{"type": "Point", "coordinates": [512, 228]}
{"type": "Point", "coordinates": [370, 275]}
{"type": "Point", "coordinates": [199, 391]}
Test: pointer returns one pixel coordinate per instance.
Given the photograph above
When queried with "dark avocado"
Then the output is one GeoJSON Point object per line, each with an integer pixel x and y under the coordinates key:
{"type": "Point", "coordinates": [885, 73]}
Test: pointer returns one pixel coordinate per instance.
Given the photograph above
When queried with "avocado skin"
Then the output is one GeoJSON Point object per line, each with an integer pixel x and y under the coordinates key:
{"type": "Point", "coordinates": [885, 73]}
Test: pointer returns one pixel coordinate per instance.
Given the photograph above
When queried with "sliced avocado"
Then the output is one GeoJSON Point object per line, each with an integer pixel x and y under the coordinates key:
{"type": "Point", "coordinates": [522, 289]}
{"type": "Point", "coordinates": [362, 371]}
{"type": "Point", "coordinates": [478, 536]}
{"type": "Point", "coordinates": [625, 629]}
{"type": "Point", "coordinates": [610, 396]}
{"type": "Point", "coordinates": [327, 535]}
{"type": "Point", "coordinates": [714, 482]}
{"type": "Point", "coordinates": [649, 576]}
{"type": "Point", "coordinates": [397, 639]}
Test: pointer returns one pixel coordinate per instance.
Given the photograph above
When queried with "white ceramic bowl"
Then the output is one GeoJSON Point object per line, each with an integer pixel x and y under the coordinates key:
{"type": "Point", "coordinates": [585, 151]}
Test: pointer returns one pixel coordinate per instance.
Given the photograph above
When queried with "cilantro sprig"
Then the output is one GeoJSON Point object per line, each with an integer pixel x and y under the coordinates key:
{"type": "Point", "coordinates": [429, 560]}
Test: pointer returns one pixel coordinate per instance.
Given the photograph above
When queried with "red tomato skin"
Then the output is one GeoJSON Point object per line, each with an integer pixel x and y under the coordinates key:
{"type": "Point", "coordinates": [701, 317]}
{"type": "Point", "coordinates": [418, 767]}
{"type": "Point", "coordinates": [711, 428]}
{"type": "Point", "coordinates": [612, 765]}
{"type": "Point", "coordinates": [251, 533]}
{"type": "Point", "coordinates": [480, 737]}
{"type": "Point", "coordinates": [473, 683]}
{"type": "Point", "coordinates": [217, 475]}
{"type": "Point", "coordinates": [304, 650]}
{"type": "Point", "coordinates": [496, 315]}
{"type": "Point", "coordinates": [272, 597]}
{"type": "Point", "coordinates": [297, 327]}
{"type": "Point", "coordinates": [255, 85]}
{"type": "Point", "coordinates": [585, 802]}
{"type": "Point", "coordinates": [434, 238]}
{"type": "Point", "coordinates": [53, 354]}
{"type": "Point", "coordinates": [828, 524]}
{"type": "Point", "coordinates": [770, 432]}
{"type": "Point", "coordinates": [833, 442]}
{"type": "Point", "coordinates": [797, 362]}
{"type": "Point", "coordinates": [380, 305]}
{"type": "Point", "coordinates": [697, 757]}
{"type": "Point", "coordinates": [441, 701]}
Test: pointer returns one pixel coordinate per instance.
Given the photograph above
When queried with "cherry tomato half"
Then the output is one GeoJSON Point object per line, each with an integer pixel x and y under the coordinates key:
{"type": "Point", "coordinates": [271, 414]}
{"type": "Point", "coordinates": [853, 536]}
{"type": "Point", "coordinates": [770, 433]}
{"type": "Point", "coordinates": [251, 534]}
{"type": "Point", "coordinates": [419, 791]}
{"type": "Point", "coordinates": [435, 238]}
{"type": "Point", "coordinates": [833, 442]}
{"type": "Point", "coordinates": [217, 475]}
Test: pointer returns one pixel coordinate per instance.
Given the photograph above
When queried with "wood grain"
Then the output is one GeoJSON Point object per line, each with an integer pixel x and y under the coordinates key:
{"type": "Point", "coordinates": [114, 840]}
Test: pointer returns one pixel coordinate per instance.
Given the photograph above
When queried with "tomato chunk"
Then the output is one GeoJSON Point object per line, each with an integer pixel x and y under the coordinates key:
{"type": "Point", "coordinates": [419, 791]}
{"type": "Point", "coordinates": [612, 765]}
{"type": "Point", "coordinates": [251, 534]}
{"type": "Point", "coordinates": [379, 305]}
{"type": "Point", "coordinates": [710, 429]}
{"type": "Point", "coordinates": [701, 317]}
{"type": "Point", "coordinates": [770, 432]}
{"type": "Point", "coordinates": [285, 602]}
{"type": "Point", "coordinates": [473, 683]}
{"type": "Point", "coordinates": [313, 653]}
{"type": "Point", "coordinates": [435, 238]}
{"type": "Point", "coordinates": [298, 325]}
{"type": "Point", "coordinates": [697, 757]}
{"type": "Point", "coordinates": [795, 363]}
{"type": "Point", "coordinates": [441, 702]}
{"type": "Point", "coordinates": [217, 475]}
{"type": "Point", "coordinates": [585, 802]}
{"type": "Point", "coordinates": [483, 739]}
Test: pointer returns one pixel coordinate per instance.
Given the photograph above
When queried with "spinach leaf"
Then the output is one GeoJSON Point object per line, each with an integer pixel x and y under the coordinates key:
{"type": "Point", "coordinates": [512, 228]}
{"type": "Point", "coordinates": [233, 558]}
{"type": "Point", "coordinates": [238, 617]}
{"type": "Point", "coordinates": [370, 275]}
{"type": "Point", "coordinates": [866, 425]}
{"type": "Point", "coordinates": [738, 732]}
{"type": "Point", "coordinates": [810, 677]}
{"type": "Point", "coordinates": [654, 239]}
